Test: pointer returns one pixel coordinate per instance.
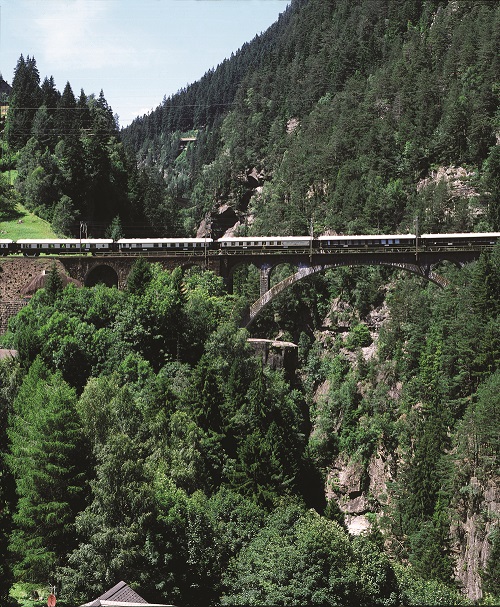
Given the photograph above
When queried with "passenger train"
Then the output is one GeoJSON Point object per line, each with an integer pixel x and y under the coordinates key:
{"type": "Point", "coordinates": [246, 244]}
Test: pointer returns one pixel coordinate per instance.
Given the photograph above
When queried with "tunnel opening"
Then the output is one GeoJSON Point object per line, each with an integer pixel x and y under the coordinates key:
{"type": "Point", "coordinates": [102, 275]}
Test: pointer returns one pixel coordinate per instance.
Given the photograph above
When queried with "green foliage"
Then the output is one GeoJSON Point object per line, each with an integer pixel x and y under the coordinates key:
{"type": "Point", "coordinates": [83, 172]}
{"type": "Point", "coordinates": [376, 582]}
{"type": "Point", "coordinates": [491, 575]}
{"type": "Point", "coordinates": [416, 590]}
{"type": "Point", "coordinates": [301, 558]}
{"type": "Point", "coordinates": [180, 546]}
{"type": "Point", "coordinates": [54, 283]}
{"type": "Point", "coordinates": [219, 426]}
{"type": "Point", "coordinates": [139, 276]}
{"type": "Point", "coordinates": [47, 461]}
{"type": "Point", "coordinates": [115, 230]}
{"type": "Point", "coordinates": [113, 527]}
{"type": "Point", "coordinates": [9, 385]}
{"type": "Point", "coordinates": [337, 113]}
{"type": "Point", "coordinates": [359, 337]}
{"type": "Point", "coordinates": [63, 217]}
{"type": "Point", "coordinates": [7, 198]}
{"type": "Point", "coordinates": [345, 124]}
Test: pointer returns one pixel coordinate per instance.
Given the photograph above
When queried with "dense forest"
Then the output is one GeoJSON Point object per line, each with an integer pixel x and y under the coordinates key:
{"type": "Point", "coordinates": [142, 439]}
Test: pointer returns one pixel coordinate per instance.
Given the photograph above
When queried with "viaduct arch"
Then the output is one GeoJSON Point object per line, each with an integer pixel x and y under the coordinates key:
{"type": "Point", "coordinates": [102, 274]}
{"type": "Point", "coordinates": [303, 272]}
{"type": "Point", "coordinates": [113, 269]}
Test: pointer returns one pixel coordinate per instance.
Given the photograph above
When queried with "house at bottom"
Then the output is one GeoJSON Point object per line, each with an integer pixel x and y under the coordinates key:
{"type": "Point", "coordinates": [122, 595]}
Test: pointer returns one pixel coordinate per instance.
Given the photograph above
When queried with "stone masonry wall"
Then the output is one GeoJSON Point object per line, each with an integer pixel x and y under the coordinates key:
{"type": "Point", "coordinates": [15, 274]}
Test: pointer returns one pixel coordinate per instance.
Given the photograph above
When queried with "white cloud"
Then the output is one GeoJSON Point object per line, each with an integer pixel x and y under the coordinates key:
{"type": "Point", "coordinates": [79, 33]}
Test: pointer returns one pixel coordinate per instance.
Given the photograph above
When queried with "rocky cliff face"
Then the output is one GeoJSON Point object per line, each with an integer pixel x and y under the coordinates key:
{"type": "Point", "coordinates": [362, 495]}
{"type": "Point", "coordinates": [477, 514]}
{"type": "Point", "coordinates": [361, 489]}
{"type": "Point", "coordinates": [361, 492]}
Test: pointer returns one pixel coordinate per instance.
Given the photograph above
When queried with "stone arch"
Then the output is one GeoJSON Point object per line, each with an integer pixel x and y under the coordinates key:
{"type": "Point", "coordinates": [244, 270]}
{"type": "Point", "coordinates": [306, 271]}
{"type": "Point", "coordinates": [102, 274]}
{"type": "Point", "coordinates": [192, 264]}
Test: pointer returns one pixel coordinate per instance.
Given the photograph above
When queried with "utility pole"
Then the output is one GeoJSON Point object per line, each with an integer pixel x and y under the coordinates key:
{"type": "Point", "coordinates": [83, 230]}
{"type": "Point", "coordinates": [416, 237]}
{"type": "Point", "coordinates": [311, 233]}
{"type": "Point", "coordinates": [208, 230]}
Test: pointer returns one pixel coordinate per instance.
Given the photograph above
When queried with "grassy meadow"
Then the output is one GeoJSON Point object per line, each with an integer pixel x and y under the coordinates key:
{"type": "Point", "coordinates": [20, 223]}
{"type": "Point", "coordinates": [23, 224]}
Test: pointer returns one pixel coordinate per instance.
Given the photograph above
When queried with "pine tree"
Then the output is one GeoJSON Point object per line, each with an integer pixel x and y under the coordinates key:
{"type": "Point", "coordinates": [24, 101]}
{"type": "Point", "coordinates": [115, 230]}
{"type": "Point", "coordinates": [46, 458]}
{"type": "Point", "coordinates": [140, 276]}
{"type": "Point", "coordinates": [9, 380]}
{"type": "Point", "coordinates": [54, 283]}
{"type": "Point", "coordinates": [66, 117]}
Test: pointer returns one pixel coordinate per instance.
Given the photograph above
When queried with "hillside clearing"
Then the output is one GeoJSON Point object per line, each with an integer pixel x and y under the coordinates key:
{"type": "Point", "coordinates": [23, 224]}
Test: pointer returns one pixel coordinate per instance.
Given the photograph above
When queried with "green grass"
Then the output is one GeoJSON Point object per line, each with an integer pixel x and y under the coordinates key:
{"type": "Point", "coordinates": [20, 594]}
{"type": "Point", "coordinates": [23, 224]}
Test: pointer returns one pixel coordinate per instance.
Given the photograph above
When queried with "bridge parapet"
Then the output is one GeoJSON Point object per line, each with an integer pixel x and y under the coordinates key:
{"type": "Point", "coordinates": [113, 269]}
{"type": "Point", "coordinates": [421, 269]}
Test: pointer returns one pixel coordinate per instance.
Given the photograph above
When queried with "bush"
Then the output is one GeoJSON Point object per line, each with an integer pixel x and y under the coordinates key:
{"type": "Point", "coordinates": [359, 337]}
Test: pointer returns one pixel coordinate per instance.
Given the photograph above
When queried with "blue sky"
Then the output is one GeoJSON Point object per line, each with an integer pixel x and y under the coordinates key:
{"type": "Point", "coordinates": [136, 51]}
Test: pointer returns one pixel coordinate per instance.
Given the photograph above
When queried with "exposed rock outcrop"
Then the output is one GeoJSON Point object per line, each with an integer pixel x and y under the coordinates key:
{"type": "Point", "coordinates": [360, 490]}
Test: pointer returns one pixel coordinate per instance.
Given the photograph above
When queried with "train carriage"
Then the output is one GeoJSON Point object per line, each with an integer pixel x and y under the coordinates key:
{"type": "Point", "coordinates": [163, 244]}
{"type": "Point", "coordinates": [440, 241]}
{"type": "Point", "coordinates": [264, 242]}
{"type": "Point", "coordinates": [59, 246]}
{"type": "Point", "coordinates": [257, 244]}
{"type": "Point", "coordinates": [366, 241]}
{"type": "Point", "coordinates": [7, 246]}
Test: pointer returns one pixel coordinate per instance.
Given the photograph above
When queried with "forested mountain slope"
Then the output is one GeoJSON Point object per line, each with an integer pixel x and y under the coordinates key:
{"type": "Point", "coordinates": [341, 111]}
{"type": "Point", "coordinates": [140, 436]}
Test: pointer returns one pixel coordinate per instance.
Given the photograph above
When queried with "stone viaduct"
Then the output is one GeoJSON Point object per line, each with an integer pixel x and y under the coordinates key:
{"type": "Point", "coordinates": [112, 269]}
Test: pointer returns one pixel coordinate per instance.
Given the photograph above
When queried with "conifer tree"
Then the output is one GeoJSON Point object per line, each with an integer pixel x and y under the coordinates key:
{"type": "Point", "coordinates": [9, 380]}
{"type": "Point", "coordinates": [24, 101]}
{"type": "Point", "coordinates": [46, 459]}
{"type": "Point", "coordinates": [54, 283]}
{"type": "Point", "coordinates": [66, 114]}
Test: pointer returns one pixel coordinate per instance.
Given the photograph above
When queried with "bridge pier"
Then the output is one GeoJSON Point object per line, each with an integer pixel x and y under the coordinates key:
{"type": "Point", "coordinates": [114, 269]}
{"type": "Point", "coordinates": [265, 278]}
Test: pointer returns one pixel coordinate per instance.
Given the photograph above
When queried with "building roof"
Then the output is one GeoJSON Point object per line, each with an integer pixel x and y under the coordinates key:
{"type": "Point", "coordinates": [4, 87]}
{"type": "Point", "coordinates": [121, 595]}
{"type": "Point", "coordinates": [38, 282]}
